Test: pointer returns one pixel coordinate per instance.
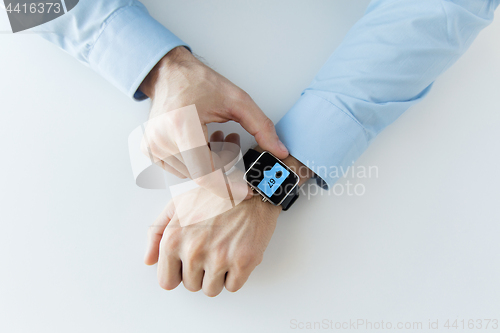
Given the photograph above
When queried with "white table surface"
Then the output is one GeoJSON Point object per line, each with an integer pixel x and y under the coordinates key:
{"type": "Point", "coordinates": [421, 244]}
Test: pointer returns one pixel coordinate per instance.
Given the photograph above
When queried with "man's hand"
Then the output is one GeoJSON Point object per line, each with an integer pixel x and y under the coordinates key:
{"type": "Point", "coordinates": [176, 137]}
{"type": "Point", "coordinates": [221, 251]}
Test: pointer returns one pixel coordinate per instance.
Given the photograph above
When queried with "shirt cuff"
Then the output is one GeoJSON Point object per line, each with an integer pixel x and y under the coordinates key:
{"type": "Point", "coordinates": [323, 137]}
{"type": "Point", "coordinates": [129, 46]}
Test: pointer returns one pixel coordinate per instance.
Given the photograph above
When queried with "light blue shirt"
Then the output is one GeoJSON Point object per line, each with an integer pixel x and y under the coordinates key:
{"type": "Point", "coordinates": [117, 38]}
{"type": "Point", "coordinates": [386, 63]}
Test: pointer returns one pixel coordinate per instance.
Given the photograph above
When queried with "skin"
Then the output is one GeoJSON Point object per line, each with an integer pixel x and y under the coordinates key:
{"type": "Point", "coordinates": [209, 255]}
{"type": "Point", "coordinates": [223, 250]}
{"type": "Point", "coordinates": [218, 252]}
{"type": "Point", "coordinates": [180, 80]}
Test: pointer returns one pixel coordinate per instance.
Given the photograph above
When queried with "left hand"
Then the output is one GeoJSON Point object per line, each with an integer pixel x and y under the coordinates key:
{"type": "Point", "coordinates": [187, 95]}
{"type": "Point", "coordinates": [220, 251]}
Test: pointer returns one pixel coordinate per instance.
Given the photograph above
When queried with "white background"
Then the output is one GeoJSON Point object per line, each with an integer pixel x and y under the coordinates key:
{"type": "Point", "coordinates": [422, 243]}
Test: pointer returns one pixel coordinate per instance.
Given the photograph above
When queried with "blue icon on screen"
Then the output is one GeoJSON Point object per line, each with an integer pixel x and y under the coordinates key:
{"type": "Point", "coordinates": [273, 179]}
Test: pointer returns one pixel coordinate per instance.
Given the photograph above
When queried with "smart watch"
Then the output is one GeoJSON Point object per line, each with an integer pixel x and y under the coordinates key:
{"type": "Point", "coordinates": [271, 178]}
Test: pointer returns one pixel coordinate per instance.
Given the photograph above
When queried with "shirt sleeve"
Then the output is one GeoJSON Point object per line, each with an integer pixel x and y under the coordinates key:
{"type": "Point", "coordinates": [385, 64]}
{"type": "Point", "coordinates": [117, 38]}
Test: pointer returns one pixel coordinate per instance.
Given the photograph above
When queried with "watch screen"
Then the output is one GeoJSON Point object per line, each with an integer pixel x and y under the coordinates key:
{"type": "Point", "coordinates": [271, 177]}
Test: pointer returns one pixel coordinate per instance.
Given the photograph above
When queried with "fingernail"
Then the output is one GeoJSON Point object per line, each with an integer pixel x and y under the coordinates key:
{"type": "Point", "coordinates": [282, 146]}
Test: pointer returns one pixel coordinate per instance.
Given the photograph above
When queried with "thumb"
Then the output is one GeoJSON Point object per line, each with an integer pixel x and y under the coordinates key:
{"type": "Point", "coordinates": [155, 234]}
{"type": "Point", "coordinates": [255, 122]}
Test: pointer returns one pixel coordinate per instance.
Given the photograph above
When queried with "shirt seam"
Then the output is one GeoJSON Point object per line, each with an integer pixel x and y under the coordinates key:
{"type": "Point", "coordinates": [106, 23]}
{"type": "Point", "coordinates": [348, 114]}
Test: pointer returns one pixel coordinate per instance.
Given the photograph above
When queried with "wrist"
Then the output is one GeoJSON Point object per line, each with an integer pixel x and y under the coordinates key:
{"type": "Point", "coordinates": [257, 203]}
{"type": "Point", "coordinates": [166, 67]}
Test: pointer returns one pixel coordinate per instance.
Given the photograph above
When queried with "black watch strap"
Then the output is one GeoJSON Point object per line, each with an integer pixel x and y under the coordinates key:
{"type": "Point", "coordinates": [290, 199]}
{"type": "Point", "coordinates": [250, 157]}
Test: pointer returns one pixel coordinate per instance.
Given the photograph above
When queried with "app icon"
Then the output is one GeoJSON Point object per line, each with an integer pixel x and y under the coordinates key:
{"type": "Point", "coordinates": [273, 179]}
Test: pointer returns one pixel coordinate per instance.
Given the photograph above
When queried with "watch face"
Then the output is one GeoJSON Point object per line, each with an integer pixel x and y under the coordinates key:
{"type": "Point", "coordinates": [273, 179]}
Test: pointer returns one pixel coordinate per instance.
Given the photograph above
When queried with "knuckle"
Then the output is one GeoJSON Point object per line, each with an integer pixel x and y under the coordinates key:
{"type": "Point", "coordinates": [247, 261]}
{"type": "Point", "coordinates": [169, 244]}
{"type": "Point", "coordinates": [268, 125]}
{"type": "Point", "coordinates": [236, 99]}
{"type": "Point", "coordinates": [195, 252]}
{"type": "Point", "coordinates": [219, 259]}
{"type": "Point", "coordinates": [242, 95]}
{"type": "Point", "coordinates": [219, 263]}
{"type": "Point", "coordinates": [176, 118]}
{"type": "Point", "coordinates": [220, 254]}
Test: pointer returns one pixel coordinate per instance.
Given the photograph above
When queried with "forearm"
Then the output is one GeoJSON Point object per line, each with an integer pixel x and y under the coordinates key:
{"type": "Point", "coordinates": [386, 63]}
{"type": "Point", "coordinates": [389, 59]}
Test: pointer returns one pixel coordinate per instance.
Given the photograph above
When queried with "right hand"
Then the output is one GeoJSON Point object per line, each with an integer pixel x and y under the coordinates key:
{"type": "Point", "coordinates": [222, 250]}
{"type": "Point", "coordinates": [176, 136]}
